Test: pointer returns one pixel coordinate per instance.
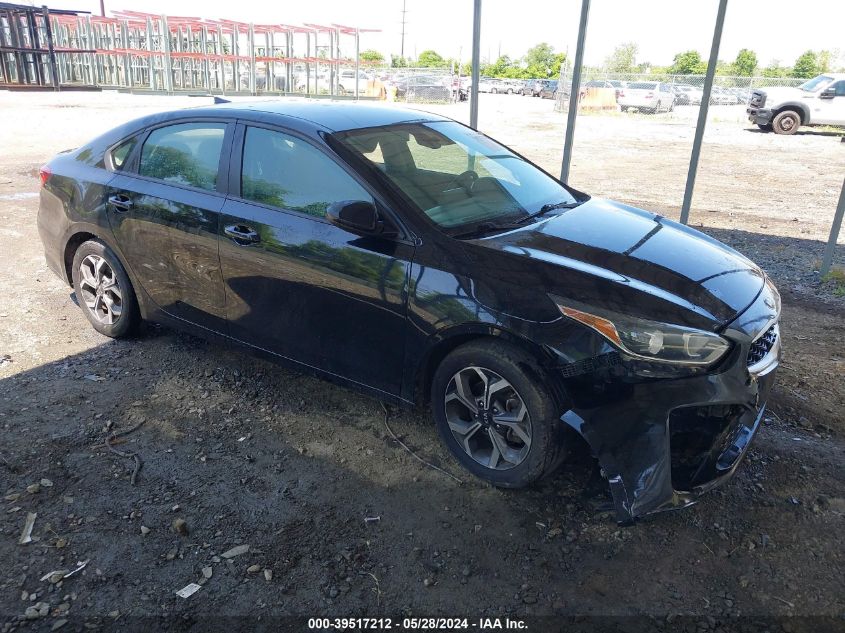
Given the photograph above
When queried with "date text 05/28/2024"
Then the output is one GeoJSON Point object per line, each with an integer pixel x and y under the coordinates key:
{"type": "Point", "coordinates": [417, 624]}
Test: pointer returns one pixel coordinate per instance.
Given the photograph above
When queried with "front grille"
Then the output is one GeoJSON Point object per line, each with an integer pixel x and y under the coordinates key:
{"type": "Point", "coordinates": [758, 99]}
{"type": "Point", "coordinates": [762, 346]}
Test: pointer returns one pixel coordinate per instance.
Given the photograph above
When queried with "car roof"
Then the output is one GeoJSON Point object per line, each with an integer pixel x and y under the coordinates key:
{"type": "Point", "coordinates": [319, 114]}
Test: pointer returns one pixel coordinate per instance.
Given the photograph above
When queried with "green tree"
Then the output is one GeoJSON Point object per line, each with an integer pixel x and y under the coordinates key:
{"type": "Point", "coordinates": [825, 59]}
{"type": "Point", "coordinates": [745, 63]}
{"type": "Point", "coordinates": [541, 61]}
{"type": "Point", "coordinates": [430, 59]}
{"type": "Point", "coordinates": [396, 61]}
{"type": "Point", "coordinates": [774, 69]}
{"type": "Point", "coordinates": [688, 63]}
{"type": "Point", "coordinates": [622, 59]}
{"type": "Point", "coordinates": [371, 56]}
{"type": "Point", "coordinates": [806, 66]}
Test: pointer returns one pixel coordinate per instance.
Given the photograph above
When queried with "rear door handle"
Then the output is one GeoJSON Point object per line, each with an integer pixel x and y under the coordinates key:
{"type": "Point", "coordinates": [120, 202]}
{"type": "Point", "coordinates": [242, 234]}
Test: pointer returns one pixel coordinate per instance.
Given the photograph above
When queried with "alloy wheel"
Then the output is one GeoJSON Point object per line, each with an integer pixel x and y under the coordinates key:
{"type": "Point", "coordinates": [100, 289]}
{"type": "Point", "coordinates": [488, 418]}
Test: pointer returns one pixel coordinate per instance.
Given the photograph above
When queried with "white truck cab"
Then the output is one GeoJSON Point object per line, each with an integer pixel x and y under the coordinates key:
{"type": "Point", "coordinates": [818, 101]}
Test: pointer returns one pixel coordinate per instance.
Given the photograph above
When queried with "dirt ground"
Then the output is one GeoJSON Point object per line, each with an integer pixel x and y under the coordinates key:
{"type": "Point", "coordinates": [250, 454]}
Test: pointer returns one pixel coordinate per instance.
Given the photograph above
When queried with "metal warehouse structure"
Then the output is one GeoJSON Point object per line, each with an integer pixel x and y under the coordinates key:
{"type": "Point", "coordinates": [45, 48]}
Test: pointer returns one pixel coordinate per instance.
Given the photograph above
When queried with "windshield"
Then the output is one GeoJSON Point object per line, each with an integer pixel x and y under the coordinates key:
{"type": "Point", "coordinates": [815, 83]}
{"type": "Point", "coordinates": [458, 177]}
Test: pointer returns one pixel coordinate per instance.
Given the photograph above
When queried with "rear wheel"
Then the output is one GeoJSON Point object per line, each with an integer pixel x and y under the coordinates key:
{"type": "Point", "coordinates": [104, 291]}
{"type": "Point", "coordinates": [786, 122]}
{"type": "Point", "coordinates": [494, 415]}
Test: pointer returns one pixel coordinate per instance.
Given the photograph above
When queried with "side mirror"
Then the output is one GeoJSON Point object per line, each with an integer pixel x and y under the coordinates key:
{"type": "Point", "coordinates": [355, 216]}
{"type": "Point", "coordinates": [827, 93]}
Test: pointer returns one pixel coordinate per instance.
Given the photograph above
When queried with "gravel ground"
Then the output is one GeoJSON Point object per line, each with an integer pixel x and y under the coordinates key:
{"type": "Point", "coordinates": [238, 452]}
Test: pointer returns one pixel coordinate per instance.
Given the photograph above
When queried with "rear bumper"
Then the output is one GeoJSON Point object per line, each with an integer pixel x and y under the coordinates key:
{"type": "Point", "coordinates": [52, 228]}
{"type": "Point", "coordinates": [759, 116]}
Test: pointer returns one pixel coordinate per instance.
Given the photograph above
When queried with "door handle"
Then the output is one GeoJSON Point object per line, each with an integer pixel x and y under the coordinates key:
{"type": "Point", "coordinates": [120, 202]}
{"type": "Point", "coordinates": [242, 234]}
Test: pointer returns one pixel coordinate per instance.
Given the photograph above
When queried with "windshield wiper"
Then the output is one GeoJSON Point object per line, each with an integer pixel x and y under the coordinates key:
{"type": "Point", "coordinates": [549, 207]}
{"type": "Point", "coordinates": [490, 227]}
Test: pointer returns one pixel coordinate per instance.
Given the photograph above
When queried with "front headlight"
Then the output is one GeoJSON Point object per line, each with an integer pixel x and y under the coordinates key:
{"type": "Point", "coordinates": [651, 340]}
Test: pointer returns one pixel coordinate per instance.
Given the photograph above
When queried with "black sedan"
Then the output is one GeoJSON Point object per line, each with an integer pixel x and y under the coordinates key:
{"type": "Point", "coordinates": [414, 258]}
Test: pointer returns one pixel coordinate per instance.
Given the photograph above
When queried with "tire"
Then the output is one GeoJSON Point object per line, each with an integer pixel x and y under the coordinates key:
{"type": "Point", "coordinates": [521, 463]}
{"type": "Point", "coordinates": [766, 127]}
{"type": "Point", "coordinates": [786, 122]}
{"type": "Point", "coordinates": [105, 294]}
{"type": "Point", "coordinates": [493, 91]}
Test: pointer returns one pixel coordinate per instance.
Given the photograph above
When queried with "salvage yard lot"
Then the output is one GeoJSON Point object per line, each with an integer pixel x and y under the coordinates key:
{"type": "Point", "coordinates": [247, 453]}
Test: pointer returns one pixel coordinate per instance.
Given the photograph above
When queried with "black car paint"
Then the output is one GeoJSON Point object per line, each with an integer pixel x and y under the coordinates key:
{"type": "Point", "coordinates": [421, 293]}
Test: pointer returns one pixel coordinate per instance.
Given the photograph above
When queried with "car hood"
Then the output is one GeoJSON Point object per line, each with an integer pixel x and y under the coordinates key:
{"type": "Point", "coordinates": [785, 93]}
{"type": "Point", "coordinates": [626, 259]}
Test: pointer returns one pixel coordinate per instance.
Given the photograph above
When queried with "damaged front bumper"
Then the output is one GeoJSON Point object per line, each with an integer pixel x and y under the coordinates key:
{"type": "Point", "coordinates": [663, 442]}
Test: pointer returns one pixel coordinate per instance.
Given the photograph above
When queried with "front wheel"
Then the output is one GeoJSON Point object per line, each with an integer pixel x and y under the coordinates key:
{"type": "Point", "coordinates": [104, 291]}
{"type": "Point", "coordinates": [495, 416]}
{"type": "Point", "coordinates": [787, 122]}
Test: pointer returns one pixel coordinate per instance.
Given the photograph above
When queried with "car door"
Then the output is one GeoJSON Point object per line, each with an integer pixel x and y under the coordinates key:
{"type": "Point", "coordinates": [164, 210]}
{"type": "Point", "coordinates": [829, 106]}
{"type": "Point", "coordinates": [299, 286]}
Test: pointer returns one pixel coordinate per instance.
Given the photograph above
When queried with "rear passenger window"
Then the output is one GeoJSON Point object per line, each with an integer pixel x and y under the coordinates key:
{"type": "Point", "coordinates": [286, 172]}
{"type": "Point", "coordinates": [185, 154]}
{"type": "Point", "coordinates": [120, 153]}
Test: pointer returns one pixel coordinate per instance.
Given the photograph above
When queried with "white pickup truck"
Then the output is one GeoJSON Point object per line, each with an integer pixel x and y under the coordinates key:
{"type": "Point", "coordinates": [818, 101]}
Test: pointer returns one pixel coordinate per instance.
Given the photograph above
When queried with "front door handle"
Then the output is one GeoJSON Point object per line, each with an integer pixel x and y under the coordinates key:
{"type": "Point", "coordinates": [242, 234]}
{"type": "Point", "coordinates": [120, 202]}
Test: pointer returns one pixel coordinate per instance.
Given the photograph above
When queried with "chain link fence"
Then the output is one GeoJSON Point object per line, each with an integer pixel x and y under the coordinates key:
{"type": "Point", "coordinates": [414, 85]}
{"type": "Point", "coordinates": [655, 93]}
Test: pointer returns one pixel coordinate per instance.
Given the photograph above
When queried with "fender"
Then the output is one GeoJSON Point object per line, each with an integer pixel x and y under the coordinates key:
{"type": "Point", "coordinates": [802, 108]}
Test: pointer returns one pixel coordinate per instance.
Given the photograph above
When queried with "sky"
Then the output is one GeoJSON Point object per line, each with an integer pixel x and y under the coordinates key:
{"type": "Point", "coordinates": [661, 28]}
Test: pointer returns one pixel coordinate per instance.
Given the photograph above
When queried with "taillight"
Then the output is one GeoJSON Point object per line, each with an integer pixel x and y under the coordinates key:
{"type": "Point", "coordinates": [621, 93]}
{"type": "Point", "coordinates": [650, 95]}
{"type": "Point", "coordinates": [45, 173]}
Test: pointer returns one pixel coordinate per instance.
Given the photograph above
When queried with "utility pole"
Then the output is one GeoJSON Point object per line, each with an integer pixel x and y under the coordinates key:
{"type": "Point", "coordinates": [404, 21]}
{"type": "Point", "coordinates": [103, 8]}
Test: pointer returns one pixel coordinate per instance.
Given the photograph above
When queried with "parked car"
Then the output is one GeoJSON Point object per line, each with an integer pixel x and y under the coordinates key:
{"type": "Point", "coordinates": [534, 88]}
{"type": "Point", "coordinates": [617, 86]}
{"type": "Point", "coordinates": [818, 101]}
{"type": "Point", "coordinates": [687, 95]}
{"type": "Point", "coordinates": [423, 88]}
{"type": "Point", "coordinates": [351, 241]}
{"type": "Point", "coordinates": [490, 85]}
{"type": "Point", "coordinates": [647, 96]}
{"type": "Point", "coordinates": [346, 81]}
{"type": "Point", "coordinates": [722, 96]}
{"type": "Point", "coordinates": [549, 89]}
{"type": "Point", "coordinates": [511, 86]}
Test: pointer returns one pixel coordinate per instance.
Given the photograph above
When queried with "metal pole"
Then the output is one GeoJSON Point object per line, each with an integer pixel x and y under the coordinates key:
{"type": "Point", "coordinates": [702, 111]}
{"type": "Point", "coordinates": [573, 91]}
{"type": "Point", "coordinates": [168, 65]}
{"type": "Point", "coordinates": [827, 260]}
{"type": "Point", "coordinates": [357, 59]}
{"type": "Point", "coordinates": [476, 64]}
